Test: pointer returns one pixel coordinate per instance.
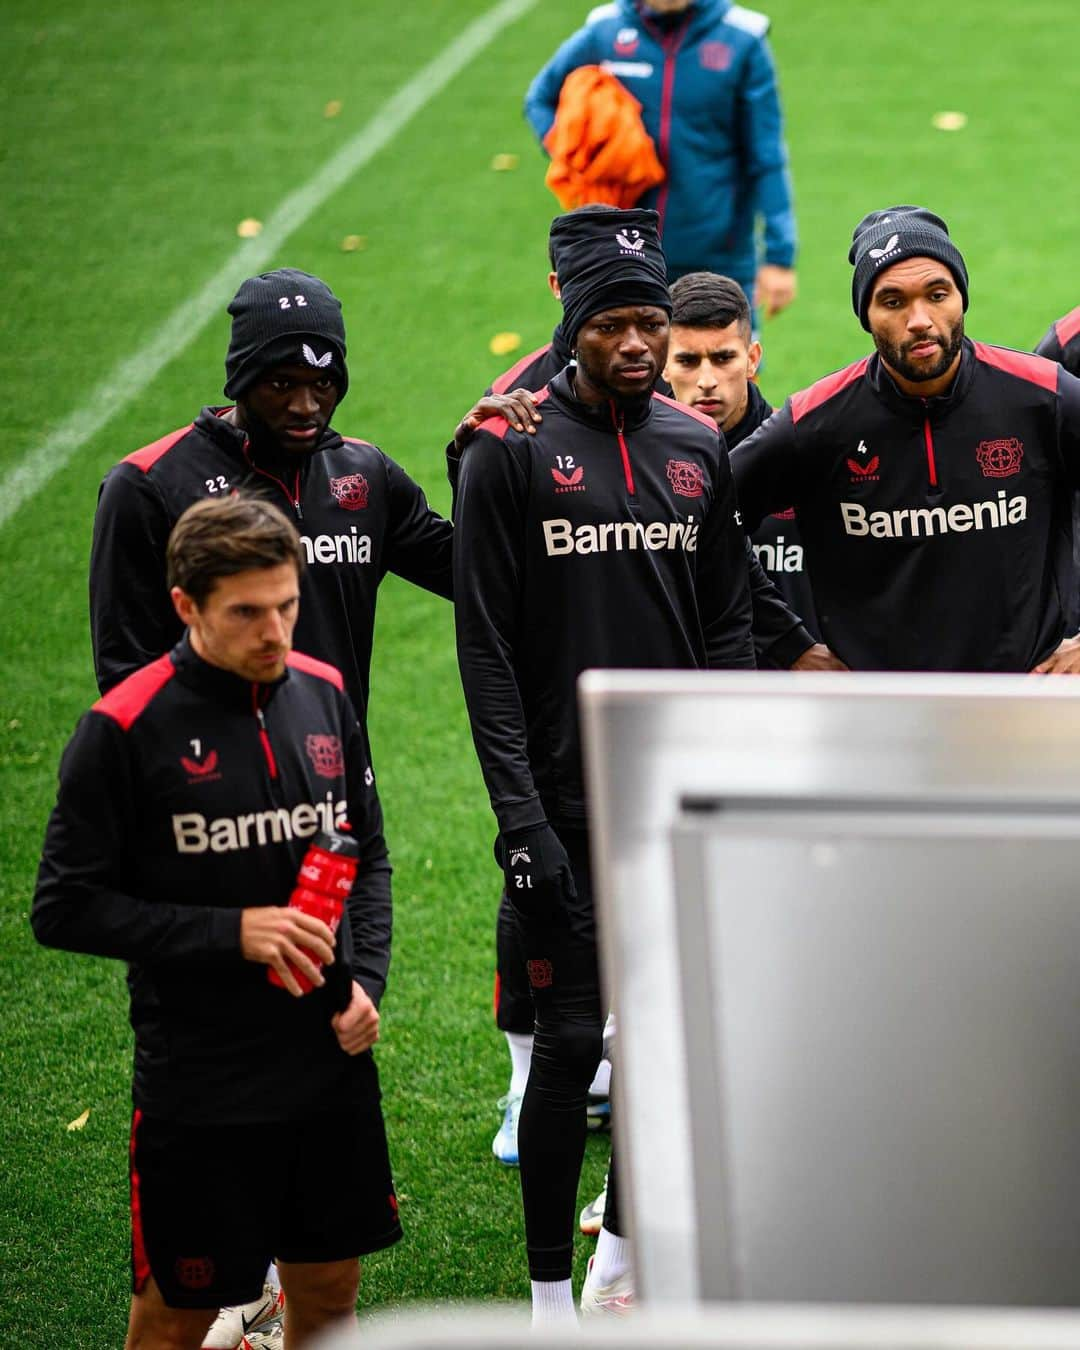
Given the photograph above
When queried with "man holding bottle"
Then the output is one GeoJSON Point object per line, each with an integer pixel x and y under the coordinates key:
{"type": "Point", "coordinates": [188, 798]}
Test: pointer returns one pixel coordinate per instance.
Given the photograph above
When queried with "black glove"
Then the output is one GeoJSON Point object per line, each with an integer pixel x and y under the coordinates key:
{"type": "Point", "coordinates": [536, 868]}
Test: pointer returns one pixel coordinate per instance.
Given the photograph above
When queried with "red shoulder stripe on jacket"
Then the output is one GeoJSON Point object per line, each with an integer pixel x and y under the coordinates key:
{"type": "Point", "coordinates": [508, 378]}
{"type": "Point", "coordinates": [806, 400]}
{"type": "Point", "coordinates": [499, 426]}
{"type": "Point", "coordinates": [355, 440]}
{"type": "Point", "coordinates": [149, 455]}
{"type": "Point", "coordinates": [132, 696]}
{"type": "Point", "coordinates": [1035, 369]}
{"type": "Point", "coordinates": [310, 666]}
{"type": "Point", "coordinates": [685, 408]}
{"type": "Point", "coordinates": [1068, 327]}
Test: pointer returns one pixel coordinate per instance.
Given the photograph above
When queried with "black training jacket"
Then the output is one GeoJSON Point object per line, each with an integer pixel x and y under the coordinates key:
{"type": "Point", "coordinates": [186, 794]}
{"type": "Point", "coordinates": [607, 539]}
{"type": "Point", "coordinates": [1061, 342]}
{"type": "Point", "coordinates": [779, 635]}
{"type": "Point", "coordinates": [937, 531]}
{"type": "Point", "coordinates": [778, 548]}
{"type": "Point", "coordinates": [360, 516]}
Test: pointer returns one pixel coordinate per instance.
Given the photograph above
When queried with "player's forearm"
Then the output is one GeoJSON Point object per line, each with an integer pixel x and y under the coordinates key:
{"type": "Point", "coordinates": [779, 635]}
{"type": "Point", "coordinates": [723, 584]}
{"type": "Point", "coordinates": [98, 921]}
{"type": "Point", "coordinates": [371, 926]}
{"type": "Point", "coordinates": [497, 719]}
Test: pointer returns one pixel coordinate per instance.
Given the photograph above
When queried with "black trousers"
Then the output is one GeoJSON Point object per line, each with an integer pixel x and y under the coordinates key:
{"type": "Point", "coordinates": [564, 979]}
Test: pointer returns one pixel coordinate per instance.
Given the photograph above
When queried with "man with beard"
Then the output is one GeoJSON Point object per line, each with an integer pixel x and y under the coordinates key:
{"type": "Point", "coordinates": [932, 480]}
{"type": "Point", "coordinates": [780, 639]}
{"type": "Point", "coordinates": [188, 798]}
{"type": "Point", "coordinates": [606, 539]}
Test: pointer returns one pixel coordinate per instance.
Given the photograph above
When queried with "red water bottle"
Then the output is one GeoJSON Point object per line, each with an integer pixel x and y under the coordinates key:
{"type": "Point", "coordinates": [323, 884]}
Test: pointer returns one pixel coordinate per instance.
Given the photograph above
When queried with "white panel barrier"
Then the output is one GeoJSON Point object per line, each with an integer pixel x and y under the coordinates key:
{"type": "Point", "coordinates": [735, 1327]}
{"type": "Point", "coordinates": [841, 917]}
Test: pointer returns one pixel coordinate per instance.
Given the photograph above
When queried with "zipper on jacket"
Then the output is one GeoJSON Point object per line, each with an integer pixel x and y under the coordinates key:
{"type": "Point", "coordinates": [619, 421]}
{"type": "Point", "coordinates": [670, 44]}
{"type": "Point", "coordinates": [264, 735]}
{"type": "Point", "coordinates": [294, 496]}
{"type": "Point", "coordinates": [928, 438]}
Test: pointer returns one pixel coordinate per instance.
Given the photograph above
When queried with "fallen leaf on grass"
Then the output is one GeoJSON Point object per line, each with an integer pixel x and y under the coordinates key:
{"type": "Point", "coordinates": [79, 1121]}
{"type": "Point", "coordinates": [249, 228]}
{"type": "Point", "coordinates": [502, 163]}
{"type": "Point", "coordinates": [333, 108]}
{"type": "Point", "coordinates": [949, 121]}
{"type": "Point", "coordinates": [353, 243]}
{"type": "Point", "coordinates": [504, 343]}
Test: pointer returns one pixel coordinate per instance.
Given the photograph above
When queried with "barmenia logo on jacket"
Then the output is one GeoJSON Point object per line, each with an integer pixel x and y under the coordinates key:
{"type": "Point", "coordinates": [923, 521]}
{"type": "Point", "coordinates": [616, 536]}
{"type": "Point", "coordinates": [337, 548]}
{"type": "Point", "coordinates": [193, 833]}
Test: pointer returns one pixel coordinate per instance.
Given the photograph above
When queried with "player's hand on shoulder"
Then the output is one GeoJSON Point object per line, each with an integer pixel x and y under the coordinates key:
{"type": "Point", "coordinates": [277, 936]}
{"type": "Point", "coordinates": [1063, 660]}
{"type": "Point", "coordinates": [357, 1027]}
{"type": "Point", "coordinates": [518, 409]}
{"type": "Point", "coordinates": [819, 657]}
{"type": "Point", "coordinates": [774, 288]}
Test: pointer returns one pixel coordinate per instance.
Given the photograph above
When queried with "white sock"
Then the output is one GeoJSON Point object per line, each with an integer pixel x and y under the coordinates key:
{"type": "Point", "coordinates": [553, 1303]}
{"type": "Point", "coordinates": [601, 1084]}
{"type": "Point", "coordinates": [613, 1257]}
{"type": "Point", "coordinates": [520, 1046]}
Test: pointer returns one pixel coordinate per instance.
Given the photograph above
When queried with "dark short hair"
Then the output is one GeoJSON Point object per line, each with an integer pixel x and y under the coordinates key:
{"type": "Point", "coordinates": [221, 536]}
{"type": "Point", "coordinates": [707, 300]}
{"type": "Point", "coordinates": [588, 209]}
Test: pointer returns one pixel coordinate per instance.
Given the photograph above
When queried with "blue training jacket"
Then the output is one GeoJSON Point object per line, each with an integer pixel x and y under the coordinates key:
{"type": "Point", "coordinates": [707, 88]}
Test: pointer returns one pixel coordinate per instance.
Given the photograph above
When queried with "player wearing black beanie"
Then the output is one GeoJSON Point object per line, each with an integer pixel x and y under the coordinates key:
{"type": "Point", "coordinates": [932, 480]}
{"type": "Point", "coordinates": [608, 538]}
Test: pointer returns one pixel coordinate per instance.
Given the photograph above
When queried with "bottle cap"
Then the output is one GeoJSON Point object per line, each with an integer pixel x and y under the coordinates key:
{"type": "Point", "coordinates": [341, 844]}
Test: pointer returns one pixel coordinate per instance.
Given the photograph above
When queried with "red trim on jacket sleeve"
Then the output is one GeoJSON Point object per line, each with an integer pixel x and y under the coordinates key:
{"type": "Point", "coordinates": [355, 440]}
{"type": "Point", "coordinates": [1068, 327]}
{"type": "Point", "coordinates": [685, 408]}
{"type": "Point", "coordinates": [806, 400]}
{"type": "Point", "coordinates": [149, 455]}
{"type": "Point", "coordinates": [310, 666]}
{"type": "Point", "coordinates": [1035, 369]}
{"type": "Point", "coordinates": [509, 377]}
{"type": "Point", "coordinates": [129, 699]}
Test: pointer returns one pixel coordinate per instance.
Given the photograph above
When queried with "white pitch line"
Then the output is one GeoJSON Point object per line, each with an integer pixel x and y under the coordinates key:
{"type": "Point", "coordinates": [130, 376]}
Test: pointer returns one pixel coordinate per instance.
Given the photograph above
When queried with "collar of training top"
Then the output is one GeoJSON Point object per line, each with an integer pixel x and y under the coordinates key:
{"type": "Point", "coordinates": [232, 439]}
{"type": "Point", "coordinates": [231, 691]}
{"type": "Point", "coordinates": [910, 405]}
{"type": "Point", "coordinates": [757, 410]}
{"type": "Point", "coordinates": [635, 412]}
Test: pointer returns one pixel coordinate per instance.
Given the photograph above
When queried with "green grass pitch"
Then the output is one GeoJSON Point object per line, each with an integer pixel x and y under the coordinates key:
{"type": "Point", "coordinates": [135, 138]}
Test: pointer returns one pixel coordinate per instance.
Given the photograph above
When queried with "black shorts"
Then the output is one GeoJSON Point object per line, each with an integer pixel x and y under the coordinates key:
{"type": "Point", "coordinates": [212, 1204]}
